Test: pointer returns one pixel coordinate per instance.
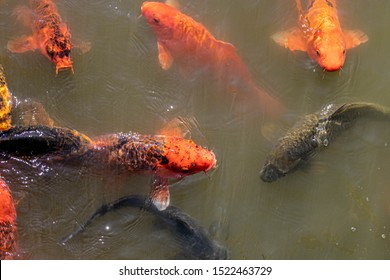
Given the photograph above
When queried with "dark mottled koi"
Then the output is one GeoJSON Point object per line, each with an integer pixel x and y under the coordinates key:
{"type": "Point", "coordinates": [315, 131]}
{"type": "Point", "coordinates": [8, 234]}
{"type": "Point", "coordinates": [49, 34]}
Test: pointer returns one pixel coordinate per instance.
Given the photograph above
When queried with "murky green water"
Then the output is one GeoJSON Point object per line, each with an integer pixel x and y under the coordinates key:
{"type": "Point", "coordinates": [337, 207]}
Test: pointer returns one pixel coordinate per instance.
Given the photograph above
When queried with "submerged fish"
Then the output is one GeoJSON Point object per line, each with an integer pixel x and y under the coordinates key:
{"type": "Point", "coordinates": [320, 35]}
{"type": "Point", "coordinates": [315, 131]}
{"type": "Point", "coordinates": [163, 156]}
{"type": "Point", "coordinates": [7, 223]}
{"type": "Point", "coordinates": [194, 239]}
{"type": "Point", "coordinates": [187, 42]}
{"type": "Point", "coordinates": [49, 34]}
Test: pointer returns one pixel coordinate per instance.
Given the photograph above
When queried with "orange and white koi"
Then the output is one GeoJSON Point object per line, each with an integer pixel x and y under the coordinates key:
{"type": "Point", "coordinates": [8, 234]}
{"type": "Point", "coordinates": [320, 35]}
{"type": "Point", "coordinates": [49, 34]}
{"type": "Point", "coordinates": [187, 42]}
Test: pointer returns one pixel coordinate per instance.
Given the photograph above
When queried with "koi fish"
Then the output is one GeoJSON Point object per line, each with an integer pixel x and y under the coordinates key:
{"type": "Point", "coordinates": [197, 242]}
{"type": "Point", "coordinates": [49, 34]}
{"type": "Point", "coordinates": [315, 131]}
{"type": "Point", "coordinates": [187, 42]}
{"type": "Point", "coordinates": [5, 102]}
{"type": "Point", "coordinates": [8, 228]}
{"type": "Point", "coordinates": [163, 156]}
{"type": "Point", "coordinates": [320, 35]}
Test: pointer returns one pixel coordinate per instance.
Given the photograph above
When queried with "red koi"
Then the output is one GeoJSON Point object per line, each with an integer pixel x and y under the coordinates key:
{"type": "Point", "coordinates": [180, 38]}
{"type": "Point", "coordinates": [7, 223]}
{"type": "Point", "coordinates": [320, 35]}
{"type": "Point", "coordinates": [49, 34]}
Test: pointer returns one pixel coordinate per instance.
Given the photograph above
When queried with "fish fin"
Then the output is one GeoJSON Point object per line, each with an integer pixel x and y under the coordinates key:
{"type": "Point", "coordinates": [159, 193]}
{"type": "Point", "coordinates": [83, 46]}
{"type": "Point", "coordinates": [22, 44]}
{"type": "Point", "coordinates": [354, 38]}
{"type": "Point", "coordinates": [271, 106]}
{"type": "Point", "coordinates": [24, 14]}
{"type": "Point", "coordinates": [173, 3]}
{"type": "Point", "coordinates": [299, 6]}
{"type": "Point", "coordinates": [31, 113]}
{"type": "Point", "coordinates": [292, 40]}
{"type": "Point", "coordinates": [164, 56]}
{"type": "Point", "coordinates": [227, 46]}
{"type": "Point", "coordinates": [177, 127]}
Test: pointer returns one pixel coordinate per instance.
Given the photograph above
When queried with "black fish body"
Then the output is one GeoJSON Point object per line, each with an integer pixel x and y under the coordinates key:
{"type": "Point", "coordinates": [315, 131]}
{"type": "Point", "coordinates": [36, 141]}
{"type": "Point", "coordinates": [191, 235]}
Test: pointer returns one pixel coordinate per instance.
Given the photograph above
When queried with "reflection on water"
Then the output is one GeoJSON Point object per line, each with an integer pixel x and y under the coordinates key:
{"type": "Point", "coordinates": [336, 207]}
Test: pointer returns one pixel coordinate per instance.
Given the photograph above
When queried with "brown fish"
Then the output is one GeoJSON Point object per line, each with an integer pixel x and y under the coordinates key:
{"type": "Point", "coordinates": [315, 131]}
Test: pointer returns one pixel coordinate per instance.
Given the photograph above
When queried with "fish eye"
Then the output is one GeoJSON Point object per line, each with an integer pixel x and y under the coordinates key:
{"type": "Point", "coordinates": [318, 53]}
{"type": "Point", "coordinates": [344, 51]}
{"type": "Point", "coordinates": [156, 20]}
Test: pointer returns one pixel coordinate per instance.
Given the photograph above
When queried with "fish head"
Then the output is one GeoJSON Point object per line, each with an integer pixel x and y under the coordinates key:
{"type": "Point", "coordinates": [161, 18]}
{"type": "Point", "coordinates": [59, 52]}
{"type": "Point", "coordinates": [328, 50]}
{"type": "Point", "coordinates": [182, 157]}
{"type": "Point", "coordinates": [270, 173]}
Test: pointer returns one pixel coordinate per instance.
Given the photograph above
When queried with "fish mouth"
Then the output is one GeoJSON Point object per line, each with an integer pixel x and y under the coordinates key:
{"type": "Point", "coordinates": [213, 164]}
{"type": "Point", "coordinates": [271, 173]}
{"type": "Point", "coordinates": [64, 67]}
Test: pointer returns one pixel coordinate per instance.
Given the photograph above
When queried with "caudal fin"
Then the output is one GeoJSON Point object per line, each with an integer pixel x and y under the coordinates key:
{"type": "Point", "coordinates": [270, 106]}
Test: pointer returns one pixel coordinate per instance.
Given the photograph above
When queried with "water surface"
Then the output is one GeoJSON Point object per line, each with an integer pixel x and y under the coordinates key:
{"type": "Point", "coordinates": [337, 207]}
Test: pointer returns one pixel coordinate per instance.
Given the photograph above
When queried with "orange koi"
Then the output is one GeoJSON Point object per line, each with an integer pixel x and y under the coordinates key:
{"type": "Point", "coordinates": [49, 34]}
{"type": "Point", "coordinates": [320, 35]}
{"type": "Point", "coordinates": [180, 38]}
{"type": "Point", "coordinates": [7, 223]}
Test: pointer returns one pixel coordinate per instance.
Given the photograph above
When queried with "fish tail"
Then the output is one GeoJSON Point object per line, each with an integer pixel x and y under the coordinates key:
{"type": "Point", "coordinates": [351, 111]}
{"type": "Point", "coordinates": [271, 106]}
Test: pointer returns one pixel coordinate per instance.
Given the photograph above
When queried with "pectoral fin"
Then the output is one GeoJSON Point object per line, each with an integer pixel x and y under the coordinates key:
{"type": "Point", "coordinates": [164, 57]}
{"type": "Point", "coordinates": [354, 38]}
{"type": "Point", "coordinates": [22, 44]}
{"type": "Point", "coordinates": [24, 14]}
{"type": "Point", "coordinates": [159, 193]}
{"type": "Point", "coordinates": [292, 40]}
{"type": "Point", "coordinates": [177, 127]}
{"type": "Point", "coordinates": [83, 46]}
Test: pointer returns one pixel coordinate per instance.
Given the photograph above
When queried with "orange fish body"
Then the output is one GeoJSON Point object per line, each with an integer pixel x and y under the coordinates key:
{"type": "Point", "coordinates": [49, 34]}
{"type": "Point", "coordinates": [187, 42]}
{"type": "Point", "coordinates": [7, 223]}
{"type": "Point", "coordinates": [163, 156]}
{"type": "Point", "coordinates": [320, 35]}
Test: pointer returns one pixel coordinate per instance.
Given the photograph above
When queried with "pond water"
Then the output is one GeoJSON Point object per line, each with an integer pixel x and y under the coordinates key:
{"type": "Point", "coordinates": [336, 207]}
